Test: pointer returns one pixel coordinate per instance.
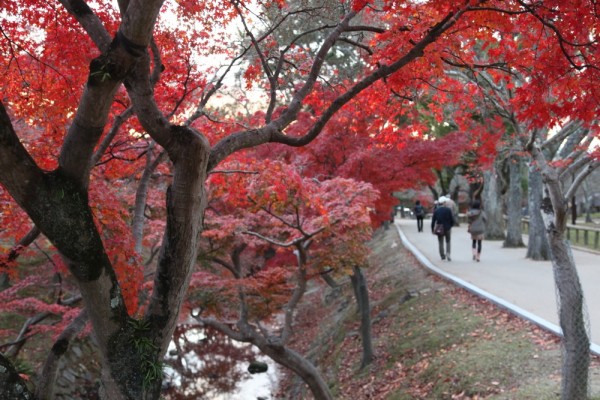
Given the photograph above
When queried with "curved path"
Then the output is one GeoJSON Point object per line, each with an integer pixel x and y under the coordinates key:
{"type": "Point", "coordinates": [505, 276]}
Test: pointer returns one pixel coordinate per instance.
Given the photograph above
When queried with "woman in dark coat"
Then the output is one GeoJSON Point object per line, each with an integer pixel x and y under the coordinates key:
{"type": "Point", "coordinates": [443, 216]}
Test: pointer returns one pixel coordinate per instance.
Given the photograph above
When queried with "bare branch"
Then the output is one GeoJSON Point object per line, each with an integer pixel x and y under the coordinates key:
{"type": "Point", "coordinates": [291, 243]}
{"type": "Point", "coordinates": [581, 177]}
{"type": "Point", "coordinates": [224, 328]}
{"type": "Point", "coordinates": [89, 21]}
{"type": "Point", "coordinates": [25, 241]}
{"type": "Point", "coordinates": [119, 121]}
{"type": "Point", "coordinates": [566, 130]}
{"type": "Point", "coordinates": [581, 158]}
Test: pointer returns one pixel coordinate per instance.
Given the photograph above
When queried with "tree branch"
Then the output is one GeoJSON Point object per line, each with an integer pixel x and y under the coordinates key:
{"type": "Point", "coordinates": [89, 21]}
{"type": "Point", "coordinates": [12, 386]}
{"type": "Point", "coordinates": [380, 73]}
{"type": "Point", "coordinates": [221, 327]}
{"type": "Point", "coordinates": [18, 171]}
{"type": "Point", "coordinates": [251, 138]}
{"type": "Point", "coordinates": [45, 387]}
{"type": "Point", "coordinates": [593, 164]}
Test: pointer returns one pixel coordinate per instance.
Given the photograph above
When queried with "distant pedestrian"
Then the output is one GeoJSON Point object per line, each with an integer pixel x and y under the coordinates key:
{"type": "Point", "coordinates": [477, 220]}
{"type": "Point", "coordinates": [444, 220]}
{"type": "Point", "coordinates": [419, 211]}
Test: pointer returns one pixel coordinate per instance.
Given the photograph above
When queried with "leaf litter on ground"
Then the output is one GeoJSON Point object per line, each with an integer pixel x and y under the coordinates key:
{"type": "Point", "coordinates": [432, 340]}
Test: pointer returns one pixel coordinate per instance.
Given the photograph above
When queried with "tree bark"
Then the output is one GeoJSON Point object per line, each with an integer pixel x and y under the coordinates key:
{"type": "Point", "coordinates": [301, 366]}
{"type": "Point", "coordinates": [514, 231]}
{"type": "Point", "coordinates": [538, 247]}
{"type": "Point", "coordinates": [362, 299]}
{"type": "Point", "coordinates": [576, 343]}
{"type": "Point", "coordinates": [574, 210]}
{"type": "Point", "coordinates": [576, 359]}
{"type": "Point", "coordinates": [492, 201]}
{"type": "Point", "coordinates": [12, 386]}
{"type": "Point", "coordinates": [141, 194]}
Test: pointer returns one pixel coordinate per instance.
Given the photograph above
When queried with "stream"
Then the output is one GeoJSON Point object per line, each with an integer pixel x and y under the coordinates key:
{"type": "Point", "coordinates": [202, 363]}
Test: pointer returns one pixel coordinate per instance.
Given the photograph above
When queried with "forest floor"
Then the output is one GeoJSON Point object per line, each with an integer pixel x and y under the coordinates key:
{"type": "Point", "coordinates": [431, 339]}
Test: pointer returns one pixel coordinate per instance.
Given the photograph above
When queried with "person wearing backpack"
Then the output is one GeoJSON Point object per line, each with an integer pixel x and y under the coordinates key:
{"type": "Point", "coordinates": [442, 222]}
{"type": "Point", "coordinates": [419, 211]}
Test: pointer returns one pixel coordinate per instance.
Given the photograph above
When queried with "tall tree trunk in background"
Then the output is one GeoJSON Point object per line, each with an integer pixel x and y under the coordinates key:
{"type": "Point", "coordinates": [359, 283]}
{"type": "Point", "coordinates": [574, 210]}
{"type": "Point", "coordinates": [492, 203]}
{"type": "Point", "coordinates": [538, 247]}
{"type": "Point", "coordinates": [514, 231]}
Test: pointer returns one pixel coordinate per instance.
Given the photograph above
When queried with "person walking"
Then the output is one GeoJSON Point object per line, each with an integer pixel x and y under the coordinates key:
{"type": "Point", "coordinates": [419, 211]}
{"type": "Point", "coordinates": [453, 207]}
{"type": "Point", "coordinates": [477, 219]}
{"type": "Point", "coordinates": [442, 222]}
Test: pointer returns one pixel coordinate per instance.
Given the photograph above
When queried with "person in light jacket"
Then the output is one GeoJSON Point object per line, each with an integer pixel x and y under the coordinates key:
{"type": "Point", "coordinates": [443, 216]}
{"type": "Point", "coordinates": [453, 207]}
{"type": "Point", "coordinates": [477, 219]}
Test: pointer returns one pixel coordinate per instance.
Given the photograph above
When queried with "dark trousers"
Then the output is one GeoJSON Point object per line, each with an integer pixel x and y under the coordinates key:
{"type": "Point", "coordinates": [420, 223]}
{"type": "Point", "coordinates": [441, 239]}
{"type": "Point", "coordinates": [477, 245]}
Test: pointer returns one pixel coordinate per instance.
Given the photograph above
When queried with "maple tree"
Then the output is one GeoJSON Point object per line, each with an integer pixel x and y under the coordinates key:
{"type": "Point", "coordinates": [91, 89]}
{"type": "Point", "coordinates": [366, 141]}
{"type": "Point", "coordinates": [254, 221]}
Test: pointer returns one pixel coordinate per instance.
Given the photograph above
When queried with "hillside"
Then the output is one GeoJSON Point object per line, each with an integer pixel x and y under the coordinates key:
{"type": "Point", "coordinates": [432, 340]}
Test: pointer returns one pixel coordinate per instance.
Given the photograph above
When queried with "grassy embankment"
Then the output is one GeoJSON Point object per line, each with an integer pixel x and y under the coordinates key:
{"type": "Point", "coordinates": [432, 340]}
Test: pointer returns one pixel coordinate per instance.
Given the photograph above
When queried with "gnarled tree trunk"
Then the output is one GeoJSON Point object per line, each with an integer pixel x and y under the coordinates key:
{"type": "Point", "coordinates": [514, 237]}
{"type": "Point", "coordinates": [492, 203]}
{"type": "Point", "coordinates": [538, 247]}
{"type": "Point", "coordinates": [359, 283]}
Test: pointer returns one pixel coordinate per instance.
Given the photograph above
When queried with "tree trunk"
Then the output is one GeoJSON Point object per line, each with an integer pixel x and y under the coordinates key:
{"type": "Point", "coordinates": [141, 194]}
{"type": "Point", "coordinates": [331, 282]}
{"type": "Point", "coordinates": [301, 366]}
{"type": "Point", "coordinates": [494, 228]}
{"type": "Point", "coordinates": [538, 247]}
{"type": "Point", "coordinates": [514, 231]}
{"type": "Point", "coordinates": [574, 210]}
{"type": "Point", "coordinates": [12, 386]}
{"type": "Point", "coordinates": [274, 347]}
{"type": "Point", "coordinates": [362, 299]}
{"type": "Point", "coordinates": [576, 343]}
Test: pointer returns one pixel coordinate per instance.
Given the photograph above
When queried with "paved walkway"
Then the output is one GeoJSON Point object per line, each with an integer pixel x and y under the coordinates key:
{"type": "Point", "coordinates": [505, 276]}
